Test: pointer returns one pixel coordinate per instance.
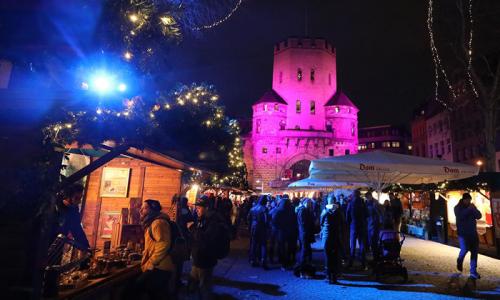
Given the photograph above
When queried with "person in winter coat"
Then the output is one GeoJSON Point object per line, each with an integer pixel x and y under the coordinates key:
{"type": "Point", "coordinates": [258, 220]}
{"type": "Point", "coordinates": [284, 221]}
{"type": "Point", "coordinates": [204, 258]}
{"type": "Point", "coordinates": [273, 230]}
{"type": "Point", "coordinates": [397, 211]}
{"type": "Point", "coordinates": [331, 222]}
{"type": "Point", "coordinates": [388, 217]}
{"type": "Point", "coordinates": [356, 218]}
{"type": "Point", "coordinates": [466, 214]}
{"type": "Point", "coordinates": [184, 216]}
{"type": "Point", "coordinates": [374, 219]}
{"type": "Point", "coordinates": [305, 220]}
{"type": "Point", "coordinates": [156, 264]}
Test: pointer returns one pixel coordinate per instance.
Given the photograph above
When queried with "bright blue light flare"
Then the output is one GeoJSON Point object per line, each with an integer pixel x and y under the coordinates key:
{"type": "Point", "coordinates": [122, 87]}
{"type": "Point", "coordinates": [102, 83]}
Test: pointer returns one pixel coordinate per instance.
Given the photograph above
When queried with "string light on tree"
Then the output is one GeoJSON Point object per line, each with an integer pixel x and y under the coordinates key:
{"type": "Point", "coordinates": [438, 67]}
{"type": "Point", "coordinates": [222, 20]}
{"type": "Point", "coordinates": [469, 50]}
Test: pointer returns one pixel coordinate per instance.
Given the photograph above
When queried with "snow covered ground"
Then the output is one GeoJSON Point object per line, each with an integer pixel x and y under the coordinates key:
{"type": "Point", "coordinates": [431, 266]}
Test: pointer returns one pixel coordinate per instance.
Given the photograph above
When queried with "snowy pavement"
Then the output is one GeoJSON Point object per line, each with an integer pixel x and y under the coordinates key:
{"type": "Point", "coordinates": [431, 266]}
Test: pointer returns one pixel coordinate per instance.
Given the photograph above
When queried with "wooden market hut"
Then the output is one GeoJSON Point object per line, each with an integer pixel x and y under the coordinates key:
{"type": "Point", "coordinates": [118, 181]}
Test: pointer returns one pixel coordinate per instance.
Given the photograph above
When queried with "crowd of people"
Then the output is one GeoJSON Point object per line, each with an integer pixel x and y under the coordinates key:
{"type": "Point", "coordinates": [348, 226]}
{"type": "Point", "coordinates": [281, 231]}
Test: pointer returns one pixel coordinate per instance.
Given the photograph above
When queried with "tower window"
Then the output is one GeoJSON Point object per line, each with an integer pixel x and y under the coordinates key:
{"type": "Point", "coordinates": [276, 107]}
{"type": "Point", "coordinates": [257, 126]}
{"type": "Point", "coordinates": [297, 127]}
{"type": "Point", "coordinates": [313, 107]}
{"type": "Point", "coordinates": [337, 109]}
{"type": "Point", "coordinates": [330, 152]}
{"type": "Point", "coordinates": [281, 77]}
{"type": "Point", "coordinates": [278, 150]}
{"type": "Point", "coordinates": [264, 150]}
{"type": "Point", "coordinates": [265, 107]}
{"type": "Point", "coordinates": [329, 78]}
{"type": "Point", "coordinates": [299, 74]}
{"type": "Point", "coordinates": [328, 126]}
{"type": "Point", "coordinates": [297, 106]}
{"type": "Point", "coordinates": [282, 125]}
{"type": "Point", "coordinates": [312, 74]}
{"type": "Point", "coordinates": [353, 130]}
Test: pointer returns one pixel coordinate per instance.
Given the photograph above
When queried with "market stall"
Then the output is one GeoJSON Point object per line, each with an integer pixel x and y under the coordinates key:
{"type": "Point", "coordinates": [117, 181]}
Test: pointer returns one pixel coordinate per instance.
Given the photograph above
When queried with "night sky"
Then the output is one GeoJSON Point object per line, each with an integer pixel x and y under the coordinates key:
{"type": "Point", "coordinates": [383, 59]}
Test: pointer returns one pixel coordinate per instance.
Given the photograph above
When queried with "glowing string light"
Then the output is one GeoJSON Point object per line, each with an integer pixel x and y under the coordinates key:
{"type": "Point", "coordinates": [218, 22]}
{"type": "Point", "coordinates": [469, 50]}
{"type": "Point", "coordinates": [438, 67]}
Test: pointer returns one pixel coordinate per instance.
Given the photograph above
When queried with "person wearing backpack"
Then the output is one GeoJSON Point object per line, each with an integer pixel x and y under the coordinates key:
{"type": "Point", "coordinates": [156, 265]}
{"type": "Point", "coordinates": [205, 237]}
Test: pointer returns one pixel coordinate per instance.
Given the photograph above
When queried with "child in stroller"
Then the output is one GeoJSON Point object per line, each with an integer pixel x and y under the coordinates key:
{"type": "Point", "coordinates": [387, 259]}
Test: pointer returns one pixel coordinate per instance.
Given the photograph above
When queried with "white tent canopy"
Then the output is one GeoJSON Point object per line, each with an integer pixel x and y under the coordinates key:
{"type": "Point", "coordinates": [380, 168]}
{"type": "Point", "coordinates": [318, 183]}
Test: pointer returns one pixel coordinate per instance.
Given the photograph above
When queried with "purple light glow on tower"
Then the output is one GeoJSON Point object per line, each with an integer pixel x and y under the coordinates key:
{"type": "Point", "coordinates": [303, 117]}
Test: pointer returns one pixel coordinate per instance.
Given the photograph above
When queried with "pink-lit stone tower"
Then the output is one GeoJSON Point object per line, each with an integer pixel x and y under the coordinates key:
{"type": "Point", "coordinates": [303, 117]}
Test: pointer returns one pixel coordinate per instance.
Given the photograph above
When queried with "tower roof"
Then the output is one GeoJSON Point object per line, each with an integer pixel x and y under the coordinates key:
{"type": "Point", "coordinates": [340, 99]}
{"type": "Point", "coordinates": [271, 96]}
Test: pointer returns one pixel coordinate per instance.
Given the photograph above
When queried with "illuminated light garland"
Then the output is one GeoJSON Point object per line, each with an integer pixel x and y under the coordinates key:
{"type": "Point", "coordinates": [469, 50]}
{"type": "Point", "coordinates": [224, 19]}
{"type": "Point", "coordinates": [438, 67]}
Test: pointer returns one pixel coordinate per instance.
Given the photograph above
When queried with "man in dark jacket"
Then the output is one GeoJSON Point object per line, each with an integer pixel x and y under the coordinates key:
{"type": "Point", "coordinates": [284, 221]}
{"type": "Point", "coordinates": [258, 220]}
{"type": "Point", "coordinates": [356, 217]}
{"type": "Point", "coordinates": [305, 220]}
{"type": "Point", "coordinates": [203, 236]}
{"type": "Point", "coordinates": [397, 211]}
{"type": "Point", "coordinates": [69, 218]}
{"type": "Point", "coordinates": [466, 214]}
{"type": "Point", "coordinates": [374, 218]}
{"type": "Point", "coordinates": [331, 232]}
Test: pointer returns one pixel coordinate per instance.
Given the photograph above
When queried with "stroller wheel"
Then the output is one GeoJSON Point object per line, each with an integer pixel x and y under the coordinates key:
{"type": "Point", "coordinates": [405, 274]}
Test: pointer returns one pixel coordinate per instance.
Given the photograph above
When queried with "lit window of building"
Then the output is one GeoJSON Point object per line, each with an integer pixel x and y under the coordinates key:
{"type": "Point", "coordinates": [264, 150]}
{"type": "Point", "coordinates": [313, 107]}
{"type": "Point", "coordinates": [297, 106]}
{"type": "Point", "coordinates": [410, 147]}
{"type": "Point", "coordinates": [386, 144]}
{"type": "Point", "coordinates": [395, 144]}
{"type": "Point", "coordinates": [371, 145]}
{"type": "Point", "coordinates": [299, 74]}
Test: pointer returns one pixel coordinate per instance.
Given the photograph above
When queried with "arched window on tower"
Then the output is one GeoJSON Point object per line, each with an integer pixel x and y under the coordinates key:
{"type": "Point", "coordinates": [299, 74]}
{"type": "Point", "coordinates": [353, 130]}
{"type": "Point", "coordinates": [281, 77]}
{"type": "Point", "coordinates": [329, 78]}
{"type": "Point", "coordinates": [329, 126]}
{"type": "Point", "coordinates": [297, 106]}
{"type": "Point", "coordinates": [282, 125]}
{"type": "Point", "coordinates": [312, 75]}
{"type": "Point", "coordinates": [257, 126]}
{"type": "Point", "coordinates": [312, 107]}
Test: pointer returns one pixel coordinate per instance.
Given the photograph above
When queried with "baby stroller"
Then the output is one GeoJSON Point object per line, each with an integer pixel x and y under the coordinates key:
{"type": "Point", "coordinates": [387, 260]}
